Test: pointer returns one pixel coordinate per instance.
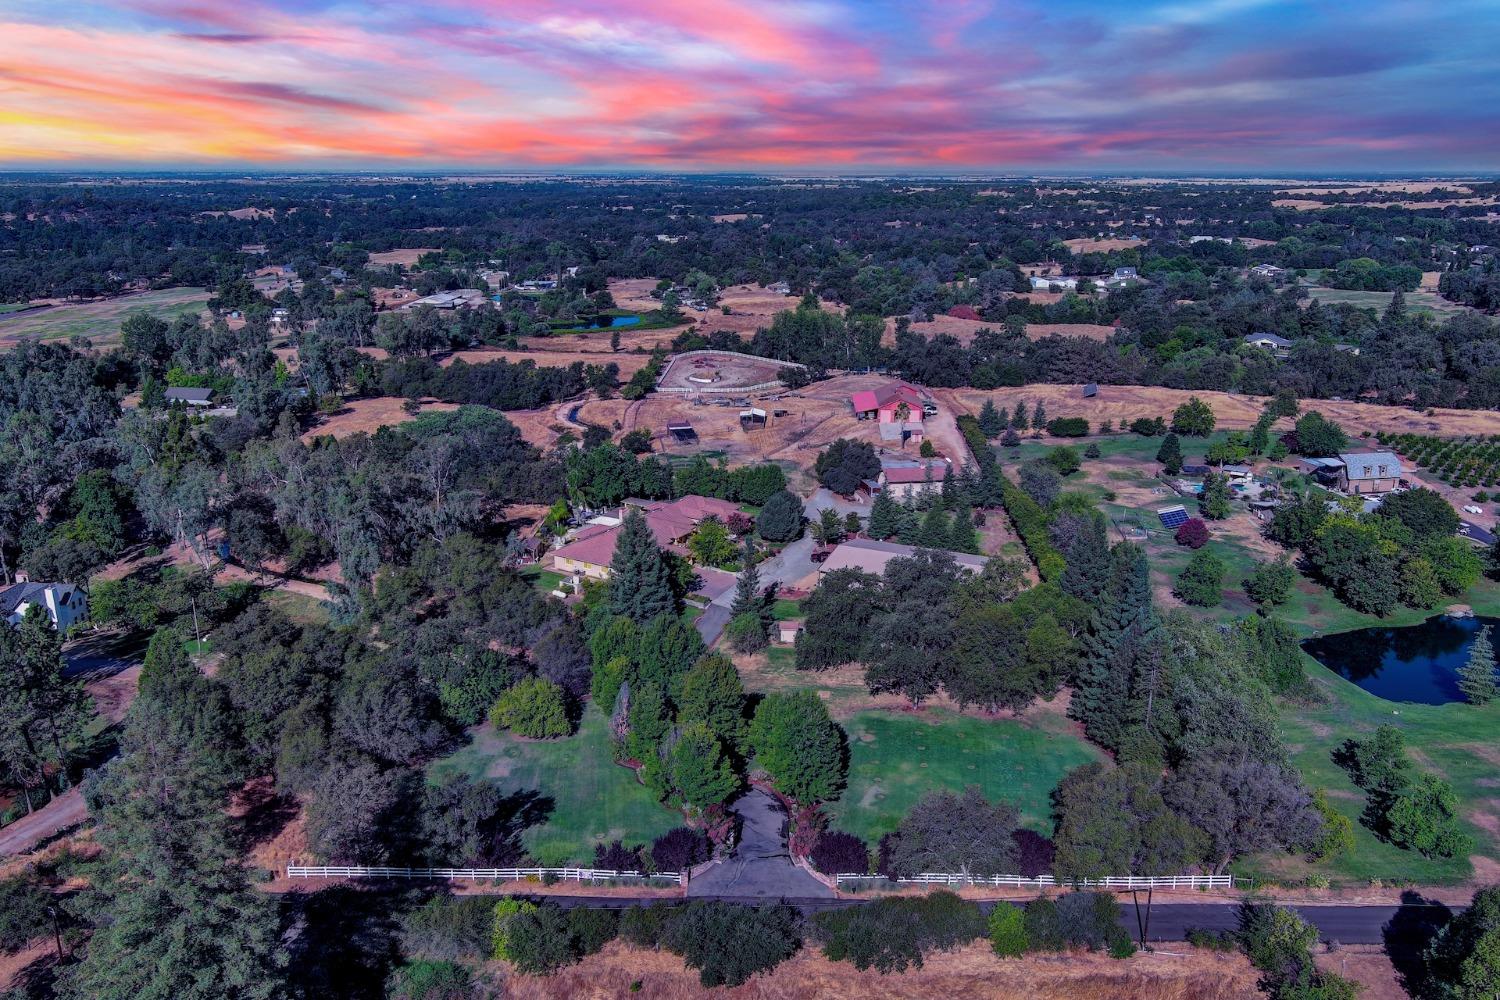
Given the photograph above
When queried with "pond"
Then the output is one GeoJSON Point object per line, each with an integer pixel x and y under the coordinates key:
{"type": "Point", "coordinates": [1417, 663]}
{"type": "Point", "coordinates": [606, 322]}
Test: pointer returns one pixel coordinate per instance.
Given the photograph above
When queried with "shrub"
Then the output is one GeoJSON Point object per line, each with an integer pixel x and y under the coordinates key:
{"type": "Point", "coordinates": [533, 708]}
{"type": "Point", "coordinates": [616, 857]}
{"type": "Point", "coordinates": [1034, 853]}
{"type": "Point", "coordinates": [1008, 931]}
{"type": "Point", "coordinates": [505, 912]}
{"type": "Point", "coordinates": [1193, 533]}
{"type": "Point", "coordinates": [746, 633]}
{"type": "Point", "coordinates": [728, 944]}
{"type": "Point", "coordinates": [1068, 427]}
{"type": "Point", "coordinates": [539, 940]}
{"type": "Point", "coordinates": [642, 926]}
{"type": "Point", "coordinates": [1043, 929]}
{"type": "Point", "coordinates": [839, 853]}
{"type": "Point", "coordinates": [1270, 583]}
{"type": "Point", "coordinates": [1199, 582]}
{"type": "Point", "coordinates": [1092, 451]}
{"type": "Point", "coordinates": [680, 849]}
{"type": "Point", "coordinates": [451, 928]}
{"type": "Point", "coordinates": [427, 980]}
{"type": "Point", "coordinates": [1064, 459]}
{"type": "Point", "coordinates": [893, 934]}
{"type": "Point", "coordinates": [592, 929]}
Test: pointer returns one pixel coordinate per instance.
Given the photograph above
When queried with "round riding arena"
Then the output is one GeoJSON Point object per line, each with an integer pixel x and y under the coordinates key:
{"type": "Point", "coordinates": [719, 372]}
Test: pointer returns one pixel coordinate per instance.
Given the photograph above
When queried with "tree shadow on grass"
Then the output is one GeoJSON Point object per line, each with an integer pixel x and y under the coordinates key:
{"type": "Point", "coordinates": [518, 812]}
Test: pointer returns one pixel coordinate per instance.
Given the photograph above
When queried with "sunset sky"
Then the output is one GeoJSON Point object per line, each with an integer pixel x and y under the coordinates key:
{"type": "Point", "coordinates": [832, 85]}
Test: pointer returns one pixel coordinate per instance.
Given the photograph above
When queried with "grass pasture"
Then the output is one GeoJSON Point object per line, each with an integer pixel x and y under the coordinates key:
{"type": "Point", "coordinates": [895, 758]}
{"type": "Point", "coordinates": [589, 798]}
{"type": "Point", "coordinates": [100, 321]}
{"type": "Point", "coordinates": [1417, 302]}
{"type": "Point", "coordinates": [1455, 741]}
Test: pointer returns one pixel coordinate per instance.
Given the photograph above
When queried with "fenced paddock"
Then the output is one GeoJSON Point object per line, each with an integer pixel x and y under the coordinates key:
{"type": "Point", "coordinates": [1048, 882]}
{"type": "Point", "coordinates": [479, 874]}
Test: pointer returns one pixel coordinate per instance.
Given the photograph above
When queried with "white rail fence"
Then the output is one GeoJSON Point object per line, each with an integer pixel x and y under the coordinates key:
{"type": "Point", "coordinates": [502, 874]}
{"type": "Point", "coordinates": [1047, 881]}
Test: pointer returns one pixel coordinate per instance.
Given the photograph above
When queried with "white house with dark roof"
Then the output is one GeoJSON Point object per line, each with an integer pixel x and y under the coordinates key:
{"type": "Point", "coordinates": [1268, 342]}
{"type": "Point", "coordinates": [189, 396]}
{"type": "Point", "coordinates": [63, 602]}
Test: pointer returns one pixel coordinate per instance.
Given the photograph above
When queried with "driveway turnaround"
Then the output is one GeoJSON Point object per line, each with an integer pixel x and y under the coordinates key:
{"type": "Point", "coordinates": [761, 868]}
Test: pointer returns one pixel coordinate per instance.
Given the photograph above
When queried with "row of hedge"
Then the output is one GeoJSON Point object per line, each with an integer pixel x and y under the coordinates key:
{"type": "Point", "coordinates": [1026, 515]}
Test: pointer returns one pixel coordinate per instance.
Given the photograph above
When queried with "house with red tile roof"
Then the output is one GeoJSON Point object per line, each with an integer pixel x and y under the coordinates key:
{"type": "Point", "coordinates": [886, 404]}
{"type": "Point", "coordinates": [591, 548]}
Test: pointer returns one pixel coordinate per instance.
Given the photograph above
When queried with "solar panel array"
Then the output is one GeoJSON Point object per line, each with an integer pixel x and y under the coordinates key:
{"type": "Point", "coordinates": [1172, 517]}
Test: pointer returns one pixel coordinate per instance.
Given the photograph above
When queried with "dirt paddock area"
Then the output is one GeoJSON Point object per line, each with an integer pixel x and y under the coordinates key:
{"type": "Point", "coordinates": [799, 424]}
{"type": "Point", "coordinates": [718, 371]}
{"type": "Point", "coordinates": [406, 258]}
{"type": "Point", "coordinates": [368, 416]}
{"type": "Point", "coordinates": [972, 971]}
{"type": "Point", "coordinates": [1232, 410]}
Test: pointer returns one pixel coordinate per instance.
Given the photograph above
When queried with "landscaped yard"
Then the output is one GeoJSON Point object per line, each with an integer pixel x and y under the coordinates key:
{"type": "Point", "coordinates": [895, 758]}
{"type": "Point", "coordinates": [544, 580]}
{"type": "Point", "coordinates": [592, 799]}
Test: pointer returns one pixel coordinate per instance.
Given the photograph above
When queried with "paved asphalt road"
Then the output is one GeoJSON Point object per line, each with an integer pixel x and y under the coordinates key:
{"type": "Point", "coordinates": [1169, 921]}
{"type": "Point", "coordinates": [760, 870]}
{"type": "Point", "coordinates": [1469, 529]}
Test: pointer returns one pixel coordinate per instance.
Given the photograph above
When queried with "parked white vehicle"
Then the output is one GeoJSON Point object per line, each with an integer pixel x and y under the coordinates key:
{"type": "Point", "coordinates": [1472, 509]}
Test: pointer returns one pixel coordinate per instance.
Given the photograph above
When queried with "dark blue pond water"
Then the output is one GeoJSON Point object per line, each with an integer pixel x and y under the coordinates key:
{"type": "Point", "coordinates": [609, 321]}
{"type": "Point", "coordinates": [1413, 663]}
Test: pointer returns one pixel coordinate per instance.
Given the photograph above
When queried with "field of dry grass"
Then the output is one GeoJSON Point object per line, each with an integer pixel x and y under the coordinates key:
{"type": "Point", "coordinates": [368, 415]}
{"type": "Point", "coordinates": [406, 257]}
{"type": "Point", "coordinates": [1233, 411]}
{"type": "Point", "coordinates": [969, 972]}
{"type": "Point", "coordinates": [1086, 245]}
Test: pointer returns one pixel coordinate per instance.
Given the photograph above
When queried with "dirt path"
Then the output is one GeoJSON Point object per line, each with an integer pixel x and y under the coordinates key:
{"type": "Point", "coordinates": [62, 813]}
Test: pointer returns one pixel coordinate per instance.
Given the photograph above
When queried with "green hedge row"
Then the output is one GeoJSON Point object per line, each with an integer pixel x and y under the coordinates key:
{"type": "Point", "coordinates": [1026, 515]}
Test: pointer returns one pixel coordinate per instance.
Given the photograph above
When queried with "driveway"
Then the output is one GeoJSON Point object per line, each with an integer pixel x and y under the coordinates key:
{"type": "Point", "coordinates": [789, 566]}
{"type": "Point", "coordinates": [1469, 529]}
{"type": "Point", "coordinates": [822, 499]}
{"type": "Point", "coordinates": [62, 813]}
{"type": "Point", "coordinates": [760, 867]}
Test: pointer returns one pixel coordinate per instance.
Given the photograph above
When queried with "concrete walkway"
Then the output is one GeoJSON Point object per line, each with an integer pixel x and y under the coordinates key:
{"type": "Point", "coordinates": [760, 867]}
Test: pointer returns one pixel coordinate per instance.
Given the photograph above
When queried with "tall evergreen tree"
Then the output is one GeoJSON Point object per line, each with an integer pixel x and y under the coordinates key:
{"type": "Point", "coordinates": [640, 584]}
{"type": "Point", "coordinates": [885, 516]}
{"type": "Point", "coordinates": [1018, 419]}
{"type": "Point", "coordinates": [747, 589]}
{"type": "Point", "coordinates": [1087, 556]}
{"type": "Point", "coordinates": [42, 713]}
{"type": "Point", "coordinates": [934, 532]}
{"type": "Point", "coordinates": [1039, 418]}
{"type": "Point", "coordinates": [990, 421]}
{"type": "Point", "coordinates": [1118, 646]}
{"type": "Point", "coordinates": [1476, 678]}
{"type": "Point", "coordinates": [1170, 454]}
{"type": "Point", "coordinates": [1396, 310]}
{"type": "Point", "coordinates": [175, 912]}
{"type": "Point", "coordinates": [962, 537]}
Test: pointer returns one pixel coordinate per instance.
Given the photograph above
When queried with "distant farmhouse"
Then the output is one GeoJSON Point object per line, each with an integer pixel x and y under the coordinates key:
{"type": "Point", "coordinates": [1362, 472]}
{"type": "Point", "coordinates": [189, 397]}
{"type": "Point", "coordinates": [459, 298]}
{"type": "Point", "coordinates": [1279, 346]}
{"type": "Point", "coordinates": [63, 602]}
{"type": "Point", "coordinates": [1046, 284]}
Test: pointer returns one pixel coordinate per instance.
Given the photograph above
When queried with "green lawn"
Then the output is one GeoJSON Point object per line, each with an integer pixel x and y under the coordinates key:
{"type": "Point", "coordinates": [299, 608]}
{"type": "Point", "coordinates": [101, 320]}
{"type": "Point", "coordinates": [896, 758]}
{"type": "Point", "coordinates": [1417, 302]}
{"type": "Point", "coordinates": [544, 580]}
{"type": "Point", "coordinates": [593, 799]}
{"type": "Point", "coordinates": [784, 609]}
{"type": "Point", "coordinates": [1456, 741]}
{"type": "Point", "coordinates": [10, 307]}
